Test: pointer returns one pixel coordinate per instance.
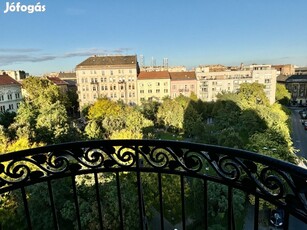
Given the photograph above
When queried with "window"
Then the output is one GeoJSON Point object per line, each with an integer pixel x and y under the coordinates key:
{"type": "Point", "coordinates": [122, 95]}
{"type": "Point", "coordinates": [111, 72]}
{"type": "Point", "coordinates": [102, 72]}
{"type": "Point", "coordinates": [11, 106]}
{"type": "Point", "coordinates": [83, 88]}
{"type": "Point", "coordinates": [165, 90]}
{"type": "Point", "coordinates": [17, 105]}
{"type": "Point", "coordinates": [142, 91]}
{"type": "Point", "coordinates": [1, 98]}
{"type": "Point", "coordinates": [102, 87]}
{"type": "Point", "coordinates": [157, 90]}
{"type": "Point", "coordinates": [114, 87]}
{"type": "Point", "coordinates": [165, 84]}
{"type": "Point", "coordinates": [149, 91]}
{"type": "Point", "coordinates": [130, 70]}
{"type": "Point", "coordinates": [121, 87]}
{"type": "Point", "coordinates": [2, 108]}
{"type": "Point", "coordinates": [157, 83]}
{"type": "Point", "coordinates": [267, 81]}
{"type": "Point", "coordinates": [9, 96]}
{"type": "Point", "coordinates": [94, 88]}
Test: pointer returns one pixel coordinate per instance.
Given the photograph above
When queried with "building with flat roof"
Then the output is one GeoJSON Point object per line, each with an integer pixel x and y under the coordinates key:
{"type": "Point", "coordinates": [210, 84]}
{"type": "Point", "coordinates": [286, 70]}
{"type": "Point", "coordinates": [113, 77]}
{"type": "Point", "coordinates": [18, 75]}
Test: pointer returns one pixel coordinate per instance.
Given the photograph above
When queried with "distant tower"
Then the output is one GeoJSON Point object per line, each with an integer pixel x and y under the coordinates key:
{"type": "Point", "coordinates": [142, 60]}
{"type": "Point", "coordinates": [153, 62]}
{"type": "Point", "coordinates": [165, 63]}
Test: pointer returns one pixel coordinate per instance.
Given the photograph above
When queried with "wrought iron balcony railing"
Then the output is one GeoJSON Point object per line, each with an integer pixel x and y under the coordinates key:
{"type": "Point", "coordinates": [146, 184]}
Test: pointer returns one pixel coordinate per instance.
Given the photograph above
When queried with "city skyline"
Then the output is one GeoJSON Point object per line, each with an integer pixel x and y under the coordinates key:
{"type": "Point", "coordinates": [187, 33]}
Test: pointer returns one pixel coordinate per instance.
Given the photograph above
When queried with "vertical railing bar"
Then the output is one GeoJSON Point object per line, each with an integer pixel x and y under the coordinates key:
{"type": "Point", "coordinates": [73, 180]}
{"type": "Point", "coordinates": [139, 164]}
{"type": "Point", "coordinates": [119, 201]}
{"type": "Point", "coordinates": [205, 204]}
{"type": "Point", "coordinates": [54, 214]}
{"type": "Point", "coordinates": [98, 200]}
{"type": "Point", "coordinates": [256, 212]}
{"type": "Point", "coordinates": [230, 209]}
{"type": "Point", "coordinates": [25, 204]}
{"type": "Point", "coordinates": [161, 201]}
{"type": "Point", "coordinates": [286, 220]}
{"type": "Point", "coordinates": [182, 202]}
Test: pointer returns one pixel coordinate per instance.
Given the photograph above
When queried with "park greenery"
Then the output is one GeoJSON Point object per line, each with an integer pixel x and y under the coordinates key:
{"type": "Point", "coordinates": [243, 120]}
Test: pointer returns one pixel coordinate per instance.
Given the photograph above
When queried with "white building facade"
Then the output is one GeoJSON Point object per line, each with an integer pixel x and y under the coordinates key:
{"type": "Point", "coordinates": [210, 84]}
{"type": "Point", "coordinates": [10, 94]}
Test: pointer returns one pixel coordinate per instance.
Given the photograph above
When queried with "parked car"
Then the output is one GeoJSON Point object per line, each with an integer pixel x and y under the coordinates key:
{"type": "Point", "coordinates": [277, 217]}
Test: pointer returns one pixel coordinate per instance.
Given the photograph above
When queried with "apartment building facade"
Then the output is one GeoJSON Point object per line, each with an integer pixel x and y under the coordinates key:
{"type": "Point", "coordinates": [113, 77]}
{"type": "Point", "coordinates": [10, 94]}
{"type": "Point", "coordinates": [210, 84]}
{"type": "Point", "coordinates": [183, 83]}
{"type": "Point", "coordinates": [297, 86]}
{"type": "Point", "coordinates": [286, 70]}
{"type": "Point", "coordinates": [153, 86]}
{"type": "Point", "coordinates": [18, 75]}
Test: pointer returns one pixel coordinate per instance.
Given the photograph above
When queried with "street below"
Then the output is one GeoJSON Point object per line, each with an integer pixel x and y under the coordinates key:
{"type": "Point", "coordinates": [298, 134]}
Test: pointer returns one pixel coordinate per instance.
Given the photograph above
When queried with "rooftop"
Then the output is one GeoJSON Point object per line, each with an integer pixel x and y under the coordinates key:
{"type": "Point", "coordinates": [7, 80]}
{"type": "Point", "coordinates": [109, 61]}
{"type": "Point", "coordinates": [65, 76]}
{"type": "Point", "coordinates": [57, 81]}
{"type": "Point", "coordinates": [183, 75]}
{"type": "Point", "coordinates": [297, 78]}
{"type": "Point", "coordinates": [154, 75]}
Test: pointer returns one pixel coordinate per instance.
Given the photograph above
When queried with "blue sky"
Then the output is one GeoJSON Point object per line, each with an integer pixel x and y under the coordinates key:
{"type": "Point", "coordinates": [188, 33]}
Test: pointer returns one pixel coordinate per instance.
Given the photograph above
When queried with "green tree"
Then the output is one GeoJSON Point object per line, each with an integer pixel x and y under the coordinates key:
{"type": "Point", "coordinates": [282, 95]}
{"type": "Point", "coordinates": [171, 115]}
{"type": "Point", "coordinates": [52, 123]}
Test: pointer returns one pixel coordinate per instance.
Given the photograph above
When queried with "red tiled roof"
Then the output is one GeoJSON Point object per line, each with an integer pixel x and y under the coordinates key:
{"type": "Point", "coordinates": [183, 75]}
{"type": "Point", "coordinates": [153, 75]}
{"type": "Point", "coordinates": [57, 81]}
{"type": "Point", "coordinates": [7, 80]}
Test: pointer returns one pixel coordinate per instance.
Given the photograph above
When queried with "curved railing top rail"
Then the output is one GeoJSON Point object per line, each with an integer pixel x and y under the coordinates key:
{"type": "Point", "coordinates": [281, 183]}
